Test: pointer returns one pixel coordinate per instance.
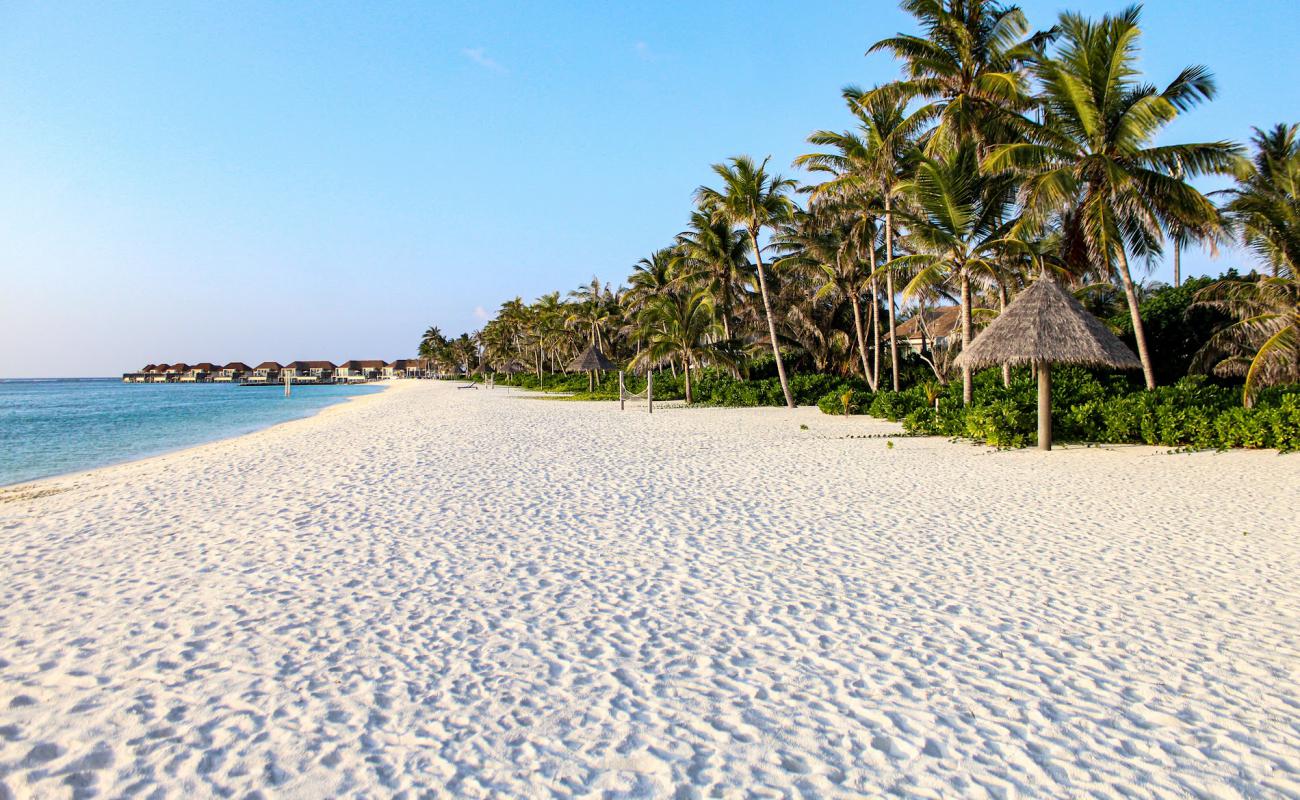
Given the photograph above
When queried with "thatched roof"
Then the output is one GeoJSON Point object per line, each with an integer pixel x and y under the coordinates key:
{"type": "Point", "coordinates": [511, 368]}
{"type": "Point", "coordinates": [1045, 323]}
{"type": "Point", "coordinates": [590, 359]}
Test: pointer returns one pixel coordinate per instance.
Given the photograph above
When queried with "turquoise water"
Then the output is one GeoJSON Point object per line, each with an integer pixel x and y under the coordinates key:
{"type": "Point", "coordinates": [51, 427]}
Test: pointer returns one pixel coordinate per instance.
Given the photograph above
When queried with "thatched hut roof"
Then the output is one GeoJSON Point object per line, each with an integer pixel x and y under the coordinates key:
{"type": "Point", "coordinates": [511, 368]}
{"type": "Point", "coordinates": [589, 360]}
{"type": "Point", "coordinates": [1044, 323]}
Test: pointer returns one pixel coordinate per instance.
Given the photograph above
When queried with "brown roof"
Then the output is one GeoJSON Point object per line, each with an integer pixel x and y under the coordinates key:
{"type": "Point", "coordinates": [179, 366]}
{"type": "Point", "coordinates": [268, 365]}
{"type": "Point", "coordinates": [404, 363]}
{"type": "Point", "coordinates": [205, 366]}
{"type": "Point", "coordinates": [938, 322]}
{"type": "Point", "coordinates": [239, 365]}
{"type": "Point", "coordinates": [1046, 324]}
{"type": "Point", "coordinates": [364, 364]}
{"type": "Point", "coordinates": [157, 368]}
{"type": "Point", "coordinates": [310, 365]}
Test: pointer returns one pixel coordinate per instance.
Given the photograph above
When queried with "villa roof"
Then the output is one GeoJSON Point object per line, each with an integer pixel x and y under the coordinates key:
{"type": "Point", "coordinates": [156, 368]}
{"type": "Point", "coordinates": [1044, 323]}
{"type": "Point", "coordinates": [239, 365]}
{"type": "Point", "coordinates": [939, 321]}
{"type": "Point", "coordinates": [179, 366]}
{"type": "Point", "coordinates": [404, 363]}
{"type": "Point", "coordinates": [268, 365]}
{"type": "Point", "coordinates": [590, 359]}
{"type": "Point", "coordinates": [363, 364]}
{"type": "Point", "coordinates": [310, 365]}
{"type": "Point", "coordinates": [204, 366]}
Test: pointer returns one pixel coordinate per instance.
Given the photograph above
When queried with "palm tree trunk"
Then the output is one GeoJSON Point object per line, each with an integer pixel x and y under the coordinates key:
{"type": "Point", "coordinates": [967, 379]}
{"type": "Point", "coordinates": [1002, 306]}
{"type": "Point", "coordinates": [875, 336]}
{"type": "Point", "coordinates": [862, 341]}
{"type": "Point", "coordinates": [686, 368]}
{"type": "Point", "coordinates": [1135, 314]}
{"type": "Point", "coordinates": [889, 286]}
{"type": "Point", "coordinates": [771, 323]}
{"type": "Point", "coordinates": [1178, 265]}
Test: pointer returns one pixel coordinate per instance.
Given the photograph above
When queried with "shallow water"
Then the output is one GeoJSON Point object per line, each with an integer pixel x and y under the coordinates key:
{"type": "Point", "coordinates": [51, 427]}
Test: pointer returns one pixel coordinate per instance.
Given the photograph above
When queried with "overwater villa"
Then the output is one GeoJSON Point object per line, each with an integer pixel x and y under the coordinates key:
{"type": "Point", "coordinates": [199, 373]}
{"type": "Point", "coordinates": [403, 368]}
{"type": "Point", "coordinates": [355, 371]}
{"type": "Point", "coordinates": [272, 372]}
{"type": "Point", "coordinates": [266, 372]}
{"type": "Point", "coordinates": [234, 371]}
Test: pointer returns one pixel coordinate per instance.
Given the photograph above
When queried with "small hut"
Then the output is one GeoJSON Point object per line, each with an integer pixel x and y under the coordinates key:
{"type": "Point", "coordinates": [590, 360]}
{"type": "Point", "coordinates": [1043, 326]}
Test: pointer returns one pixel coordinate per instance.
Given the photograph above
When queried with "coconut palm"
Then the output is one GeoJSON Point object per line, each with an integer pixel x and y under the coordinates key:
{"type": "Point", "coordinates": [958, 230]}
{"type": "Point", "coordinates": [968, 66]}
{"type": "Point", "coordinates": [753, 200]}
{"type": "Point", "coordinates": [867, 165]}
{"type": "Point", "coordinates": [820, 245]}
{"type": "Point", "coordinates": [1093, 157]}
{"type": "Point", "coordinates": [680, 326]}
{"type": "Point", "coordinates": [1265, 203]}
{"type": "Point", "coordinates": [715, 255]}
{"type": "Point", "coordinates": [1264, 343]}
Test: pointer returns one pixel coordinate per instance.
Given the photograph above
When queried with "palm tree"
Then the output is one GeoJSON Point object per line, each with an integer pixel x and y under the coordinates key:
{"type": "Point", "coordinates": [715, 254]}
{"type": "Point", "coordinates": [1265, 203]}
{"type": "Point", "coordinates": [752, 200]}
{"type": "Point", "coordinates": [680, 325]}
{"type": "Point", "coordinates": [968, 67]}
{"type": "Point", "coordinates": [820, 245]}
{"type": "Point", "coordinates": [867, 165]}
{"type": "Point", "coordinates": [1092, 159]}
{"type": "Point", "coordinates": [1264, 343]}
{"type": "Point", "coordinates": [958, 230]}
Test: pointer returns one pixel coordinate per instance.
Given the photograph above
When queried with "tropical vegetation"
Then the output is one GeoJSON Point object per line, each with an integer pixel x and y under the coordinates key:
{"type": "Point", "coordinates": [1002, 152]}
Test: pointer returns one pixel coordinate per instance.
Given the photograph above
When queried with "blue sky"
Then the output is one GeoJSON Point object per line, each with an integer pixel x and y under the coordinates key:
{"type": "Point", "coordinates": [248, 181]}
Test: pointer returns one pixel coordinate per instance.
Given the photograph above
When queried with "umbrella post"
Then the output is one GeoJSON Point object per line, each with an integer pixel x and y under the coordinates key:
{"type": "Point", "coordinates": [622, 403]}
{"type": "Point", "coordinates": [650, 391]}
{"type": "Point", "coordinates": [1044, 405]}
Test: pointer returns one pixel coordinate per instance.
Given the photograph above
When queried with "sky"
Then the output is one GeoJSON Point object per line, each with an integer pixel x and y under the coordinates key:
{"type": "Point", "coordinates": [250, 180]}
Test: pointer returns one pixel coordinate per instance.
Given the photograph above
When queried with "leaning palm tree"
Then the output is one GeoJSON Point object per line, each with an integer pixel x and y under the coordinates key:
{"type": "Point", "coordinates": [1264, 343]}
{"type": "Point", "coordinates": [1093, 158]}
{"type": "Point", "coordinates": [680, 325]}
{"type": "Point", "coordinates": [1265, 203]}
{"type": "Point", "coordinates": [753, 200]}
{"type": "Point", "coordinates": [958, 230]}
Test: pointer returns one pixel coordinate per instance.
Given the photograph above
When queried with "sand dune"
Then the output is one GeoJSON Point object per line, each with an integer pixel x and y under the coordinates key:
{"type": "Point", "coordinates": [473, 593]}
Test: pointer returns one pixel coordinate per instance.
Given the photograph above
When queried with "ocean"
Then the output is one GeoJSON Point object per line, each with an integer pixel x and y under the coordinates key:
{"type": "Point", "coordinates": [52, 427]}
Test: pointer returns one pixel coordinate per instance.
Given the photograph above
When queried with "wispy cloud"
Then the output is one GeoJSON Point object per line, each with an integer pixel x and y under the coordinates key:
{"type": "Point", "coordinates": [479, 56]}
{"type": "Point", "coordinates": [480, 313]}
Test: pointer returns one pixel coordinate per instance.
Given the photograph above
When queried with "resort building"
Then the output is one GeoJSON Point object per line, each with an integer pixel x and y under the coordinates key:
{"type": "Point", "coordinates": [266, 372]}
{"type": "Point", "coordinates": [199, 373]}
{"type": "Point", "coordinates": [157, 373]}
{"type": "Point", "coordinates": [350, 371]}
{"type": "Point", "coordinates": [234, 371]}
{"type": "Point", "coordinates": [176, 371]}
{"type": "Point", "coordinates": [309, 371]}
{"type": "Point", "coordinates": [403, 368]}
{"type": "Point", "coordinates": [931, 328]}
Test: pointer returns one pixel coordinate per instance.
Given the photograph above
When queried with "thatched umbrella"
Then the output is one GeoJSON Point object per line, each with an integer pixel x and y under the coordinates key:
{"type": "Point", "coordinates": [590, 360]}
{"type": "Point", "coordinates": [1043, 326]}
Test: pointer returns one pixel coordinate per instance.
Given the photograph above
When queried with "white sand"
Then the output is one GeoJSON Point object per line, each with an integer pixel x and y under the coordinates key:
{"type": "Point", "coordinates": [475, 594]}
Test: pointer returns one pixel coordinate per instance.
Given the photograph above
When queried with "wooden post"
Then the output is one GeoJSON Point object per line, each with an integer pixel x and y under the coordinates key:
{"type": "Point", "coordinates": [650, 391]}
{"type": "Point", "coordinates": [622, 404]}
{"type": "Point", "coordinates": [286, 384]}
{"type": "Point", "coordinates": [1044, 406]}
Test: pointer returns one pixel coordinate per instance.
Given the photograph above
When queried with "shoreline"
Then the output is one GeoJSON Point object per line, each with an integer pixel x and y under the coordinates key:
{"type": "Point", "coordinates": [32, 483]}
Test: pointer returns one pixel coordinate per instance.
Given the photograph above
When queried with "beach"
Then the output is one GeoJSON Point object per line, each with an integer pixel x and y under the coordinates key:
{"type": "Point", "coordinates": [480, 593]}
